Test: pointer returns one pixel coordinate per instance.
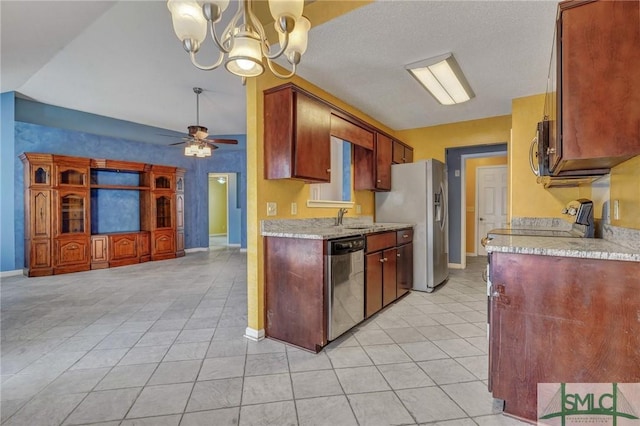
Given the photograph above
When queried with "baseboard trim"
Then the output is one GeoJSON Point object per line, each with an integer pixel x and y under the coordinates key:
{"type": "Point", "coordinates": [196, 249]}
{"type": "Point", "coordinates": [253, 334]}
{"type": "Point", "coordinates": [456, 266]}
{"type": "Point", "coordinates": [243, 250]}
{"type": "Point", "coordinates": [233, 245]}
{"type": "Point", "coordinates": [5, 274]}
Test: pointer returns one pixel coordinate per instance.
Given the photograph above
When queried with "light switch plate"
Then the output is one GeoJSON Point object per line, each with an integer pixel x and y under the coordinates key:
{"type": "Point", "coordinates": [294, 208]}
{"type": "Point", "coordinates": [616, 209]}
{"type": "Point", "coordinates": [272, 209]}
{"type": "Point", "coordinates": [358, 209]}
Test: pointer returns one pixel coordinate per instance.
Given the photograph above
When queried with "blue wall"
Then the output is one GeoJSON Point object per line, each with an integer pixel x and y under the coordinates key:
{"type": "Point", "coordinates": [7, 153]}
{"type": "Point", "coordinates": [30, 135]}
{"type": "Point", "coordinates": [454, 162]}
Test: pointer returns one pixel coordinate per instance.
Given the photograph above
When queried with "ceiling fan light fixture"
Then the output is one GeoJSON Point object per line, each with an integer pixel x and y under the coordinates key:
{"type": "Point", "coordinates": [443, 79]}
{"type": "Point", "coordinates": [244, 40]}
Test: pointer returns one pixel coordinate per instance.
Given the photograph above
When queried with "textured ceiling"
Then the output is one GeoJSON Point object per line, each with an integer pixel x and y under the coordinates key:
{"type": "Point", "coordinates": [122, 60]}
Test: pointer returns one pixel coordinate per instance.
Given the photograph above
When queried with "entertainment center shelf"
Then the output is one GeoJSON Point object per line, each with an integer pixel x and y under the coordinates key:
{"type": "Point", "coordinates": [83, 213]}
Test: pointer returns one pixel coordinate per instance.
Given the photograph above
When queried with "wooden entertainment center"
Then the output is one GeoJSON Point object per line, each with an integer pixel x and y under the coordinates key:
{"type": "Point", "coordinates": [62, 233]}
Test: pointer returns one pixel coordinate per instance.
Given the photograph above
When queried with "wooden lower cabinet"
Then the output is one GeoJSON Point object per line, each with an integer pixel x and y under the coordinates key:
{"type": "Point", "coordinates": [295, 306]}
{"type": "Point", "coordinates": [163, 245]}
{"type": "Point", "coordinates": [560, 320]}
{"type": "Point", "coordinates": [123, 249]}
{"type": "Point", "coordinates": [99, 251]}
{"type": "Point", "coordinates": [72, 254]}
{"type": "Point", "coordinates": [388, 268]}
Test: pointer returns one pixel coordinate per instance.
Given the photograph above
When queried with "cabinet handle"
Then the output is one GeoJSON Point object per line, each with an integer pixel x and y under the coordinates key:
{"type": "Point", "coordinates": [328, 170]}
{"type": "Point", "coordinates": [41, 213]}
{"type": "Point", "coordinates": [379, 181]}
{"type": "Point", "coordinates": [405, 236]}
{"type": "Point", "coordinates": [398, 255]}
{"type": "Point", "coordinates": [124, 243]}
{"type": "Point", "coordinates": [382, 260]}
{"type": "Point", "coordinates": [385, 259]}
{"type": "Point", "coordinates": [551, 150]}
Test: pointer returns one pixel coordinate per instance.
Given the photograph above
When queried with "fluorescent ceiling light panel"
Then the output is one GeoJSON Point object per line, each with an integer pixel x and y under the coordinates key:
{"type": "Point", "coordinates": [443, 78]}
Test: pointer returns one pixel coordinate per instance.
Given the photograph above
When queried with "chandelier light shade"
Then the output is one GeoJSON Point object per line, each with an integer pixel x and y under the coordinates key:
{"type": "Point", "coordinates": [443, 78]}
{"type": "Point", "coordinates": [243, 45]}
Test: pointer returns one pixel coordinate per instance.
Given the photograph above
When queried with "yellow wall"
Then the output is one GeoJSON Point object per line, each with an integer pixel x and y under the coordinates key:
{"type": "Point", "coordinates": [625, 187]}
{"type": "Point", "coordinates": [471, 165]}
{"type": "Point", "coordinates": [217, 207]}
{"type": "Point", "coordinates": [430, 142]}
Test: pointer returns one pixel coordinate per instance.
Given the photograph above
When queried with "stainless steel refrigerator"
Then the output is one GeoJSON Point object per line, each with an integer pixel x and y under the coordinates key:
{"type": "Point", "coordinates": [419, 195]}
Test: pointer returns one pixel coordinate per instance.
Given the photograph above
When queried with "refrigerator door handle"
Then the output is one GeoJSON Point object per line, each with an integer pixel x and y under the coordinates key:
{"type": "Point", "coordinates": [443, 206]}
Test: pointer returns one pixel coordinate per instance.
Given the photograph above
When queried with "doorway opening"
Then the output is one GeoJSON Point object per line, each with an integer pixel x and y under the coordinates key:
{"type": "Point", "coordinates": [218, 210]}
{"type": "Point", "coordinates": [490, 202]}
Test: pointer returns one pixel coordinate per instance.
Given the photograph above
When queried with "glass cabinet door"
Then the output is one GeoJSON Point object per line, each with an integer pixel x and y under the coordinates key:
{"type": "Point", "coordinates": [163, 212]}
{"type": "Point", "coordinates": [72, 213]}
{"type": "Point", "coordinates": [163, 182]}
{"type": "Point", "coordinates": [71, 177]}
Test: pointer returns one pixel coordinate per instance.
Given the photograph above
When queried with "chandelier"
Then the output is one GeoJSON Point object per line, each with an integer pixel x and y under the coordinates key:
{"type": "Point", "coordinates": [243, 44]}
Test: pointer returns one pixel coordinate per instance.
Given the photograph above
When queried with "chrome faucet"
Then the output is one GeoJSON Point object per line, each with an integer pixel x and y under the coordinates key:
{"type": "Point", "coordinates": [341, 213]}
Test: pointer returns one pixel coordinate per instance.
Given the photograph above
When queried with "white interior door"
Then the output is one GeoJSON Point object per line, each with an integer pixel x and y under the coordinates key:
{"type": "Point", "coordinates": [491, 200]}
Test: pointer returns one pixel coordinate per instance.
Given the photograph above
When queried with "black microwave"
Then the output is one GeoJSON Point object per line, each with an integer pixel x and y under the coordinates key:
{"type": "Point", "coordinates": [538, 151]}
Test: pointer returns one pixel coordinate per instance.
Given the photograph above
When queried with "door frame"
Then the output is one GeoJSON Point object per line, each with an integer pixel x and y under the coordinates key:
{"type": "Point", "coordinates": [463, 205]}
{"type": "Point", "coordinates": [476, 246]}
{"type": "Point", "coordinates": [210, 178]}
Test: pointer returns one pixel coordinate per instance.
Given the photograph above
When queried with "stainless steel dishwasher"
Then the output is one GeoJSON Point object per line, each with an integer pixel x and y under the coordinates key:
{"type": "Point", "coordinates": [344, 284]}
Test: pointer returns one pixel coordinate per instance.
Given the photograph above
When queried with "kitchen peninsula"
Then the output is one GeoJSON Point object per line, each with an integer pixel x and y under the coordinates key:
{"type": "Point", "coordinates": [297, 261]}
{"type": "Point", "coordinates": [562, 310]}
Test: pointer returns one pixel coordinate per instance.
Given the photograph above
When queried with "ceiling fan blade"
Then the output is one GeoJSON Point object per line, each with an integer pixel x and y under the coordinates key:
{"type": "Point", "coordinates": [177, 143]}
{"type": "Point", "coordinates": [223, 141]}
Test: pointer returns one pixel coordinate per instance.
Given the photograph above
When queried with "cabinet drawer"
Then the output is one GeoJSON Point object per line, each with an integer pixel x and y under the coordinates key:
{"type": "Point", "coordinates": [404, 236]}
{"type": "Point", "coordinates": [381, 241]}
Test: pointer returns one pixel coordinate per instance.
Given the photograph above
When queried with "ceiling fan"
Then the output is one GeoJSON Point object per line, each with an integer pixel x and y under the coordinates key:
{"type": "Point", "coordinates": [197, 143]}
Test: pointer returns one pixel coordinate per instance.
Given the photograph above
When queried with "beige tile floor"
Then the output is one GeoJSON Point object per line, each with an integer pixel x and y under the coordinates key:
{"type": "Point", "coordinates": [161, 344]}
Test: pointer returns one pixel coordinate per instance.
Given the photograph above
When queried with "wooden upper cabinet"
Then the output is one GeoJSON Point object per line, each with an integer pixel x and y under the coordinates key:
{"type": "Point", "coordinates": [383, 162]}
{"type": "Point", "coordinates": [598, 85]}
{"type": "Point", "coordinates": [401, 153]}
{"type": "Point", "coordinates": [296, 136]}
{"type": "Point", "coordinates": [372, 169]}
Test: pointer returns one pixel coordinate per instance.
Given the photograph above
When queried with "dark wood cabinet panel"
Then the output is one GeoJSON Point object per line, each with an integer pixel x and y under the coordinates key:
{"type": "Point", "coordinates": [401, 153]}
{"type": "Point", "coordinates": [560, 320]}
{"type": "Point", "coordinates": [373, 283]}
{"type": "Point", "coordinates": [598, 86]}
{"type": "Point", "coordinates": [296, 136]}
{"type": "Point", "coordinates": [405, 269]}
{"type": "Point", "coordinates": [372, 169]}
{"type": "Point", "coordinates": [162, 245]}
{"type": "Point", "coordinates": [295, 308]}
{"type": "Point", "coordinates": [347, 131]}
{"type": "Point", "coordinates": [389, 273]}
{"type": "Point", "coordinates": [144, 246]}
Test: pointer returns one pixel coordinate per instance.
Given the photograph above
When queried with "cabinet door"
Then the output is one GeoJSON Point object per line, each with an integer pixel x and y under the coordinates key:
{"type": "Point", "coordinates": [71, 175]}
{"type": "Point", "coordinates": [123, 246]}
{"type": "Point", "coordinates": [40, 175]}
{"type": "Point", "coordinates": [597, 49]}
{"type": "Point", "coordinates": [383, 162]}
{"type": "Point", "coordinates": [163, 210]}
{"type": "Point", "coordinates": [39, 255]}
{"type": "Point", "coordinates": [144, 246]}
{"type": "Point", "coordinates": [72, 212]}
{"type": "Point", "coordinates": [373, 284]}
{"type": "Point", "coordinates": [312, 152]}
{"type": "Point", "coordinates": [163, 245]}
{"type": "Point", "coordinates": [40, 213]}
{"type": "Point", "coordinates": [72, 252]}
{"type": "Point", "coordinates": [389, 277]}
{"type": "Point", "coordinates": [405, 269]}
{"type": "Point", "coordinates": [99, 252]}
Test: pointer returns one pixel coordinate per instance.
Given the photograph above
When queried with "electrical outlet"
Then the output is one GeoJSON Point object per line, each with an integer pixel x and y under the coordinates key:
{"type": "Point", "coordinates": [294, 208]}
{"type": "Point", "coordinates": [358, 209]}
{"type": "Point", "coordinates": [616, 209]}
{"type": "Point", "coordinates": [272, 209]}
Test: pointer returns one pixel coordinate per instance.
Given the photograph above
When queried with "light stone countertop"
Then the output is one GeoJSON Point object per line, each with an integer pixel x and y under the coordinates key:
{"type": "Point", "coordinates": [589, 248]}
{"type": "Point", "coordinates": [325, 228]}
